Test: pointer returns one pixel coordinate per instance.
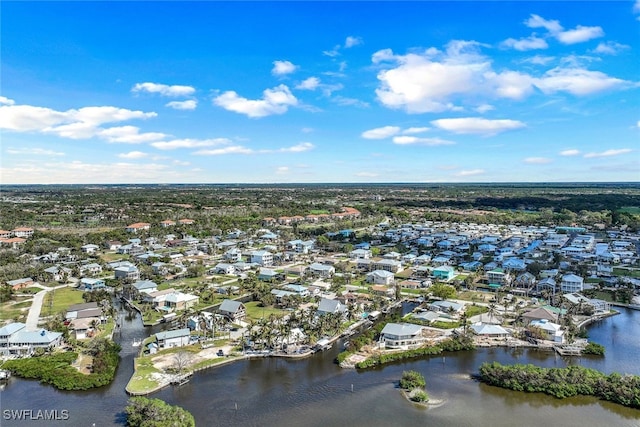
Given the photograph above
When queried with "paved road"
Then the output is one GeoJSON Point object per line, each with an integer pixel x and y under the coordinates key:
{"type": "Point", "coordinates": [36, 307]}
{"type": "Point", "coordinates": [34, 311]}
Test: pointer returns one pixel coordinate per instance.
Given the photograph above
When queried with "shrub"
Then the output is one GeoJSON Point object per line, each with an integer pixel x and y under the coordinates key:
{"type": "Point", "coordinates": [419, 396]}
{"type": "Point", "coordinates": [594, 348]}
{"type": "Point", "coordinates": [411, 380]}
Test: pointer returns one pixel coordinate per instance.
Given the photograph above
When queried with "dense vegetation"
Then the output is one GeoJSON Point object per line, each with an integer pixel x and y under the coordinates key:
{"type": "Point", "coordinates": [144, 412]}
{"type": "Point", "coordinates": [413, 383]}
{"type": "Point", "coordinates": [459, 343]}
{"type": "Point", "coordinates": [56, 369]}
{"type": "Point", "coordinates": [564, 382]}
{"type": "Point", "coordinates": [594, 348]}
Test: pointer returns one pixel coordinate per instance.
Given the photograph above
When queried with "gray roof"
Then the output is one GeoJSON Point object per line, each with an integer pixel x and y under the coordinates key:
{"type": "Point", "coordinates": [35, 337]}
{"type": "Point", "coordinates": [485, 329]}
{"type": "Point", "coordinates": [173, 334]}
{"type": "Point", "coordinates": [11, 329]}
{"type": "Point", "coordinates": [330, 306]}
{"type": "Point", "coordinates": [230, 306]}
{"type": "Point", "coordinates": [401, 329]}
{"type": "Point", "coordinates": [82, 306]}
{"type": "Point", "coordinates": [144, 284]}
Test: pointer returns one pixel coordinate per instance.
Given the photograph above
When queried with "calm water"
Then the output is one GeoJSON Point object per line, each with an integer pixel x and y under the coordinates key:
{"type": "Point", "coordinates": [316, 392]}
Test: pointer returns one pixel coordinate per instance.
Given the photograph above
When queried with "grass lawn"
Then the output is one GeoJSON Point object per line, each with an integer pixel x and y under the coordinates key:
{"type": "Point", "coordinates": [12, 311]}
{"type": "Point", "coordinates": [625, 272]}
{"type": "Point", "coordinates": [405, 274]}
{"type": "Point", "coordinates": [62, 299]}
{"type": "Point", "coordinates": [474, 310]}
{"type": "Point", "coordinates": [142, 380]}
{"type": "Point", "coordinates": [111, 256]}
{"type": "Point", "coordinates": [255, 312]}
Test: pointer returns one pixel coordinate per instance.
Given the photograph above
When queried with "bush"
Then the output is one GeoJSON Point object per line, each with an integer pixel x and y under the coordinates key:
{"type": "Point", "coordinates": [419, 396]}
{"type": "Point", "coordinates": [411, 380]}
{"type": "Point", "coordinates": [144, 412]}
{"type": "Point", "coordinates": [594, 348]}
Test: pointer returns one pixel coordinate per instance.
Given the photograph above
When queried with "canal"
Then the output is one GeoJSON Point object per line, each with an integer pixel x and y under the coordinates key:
{"type": "Point", "coordinates": [316, 392]}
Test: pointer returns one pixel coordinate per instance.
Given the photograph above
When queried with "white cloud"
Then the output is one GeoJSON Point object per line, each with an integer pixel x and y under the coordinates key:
{"type": "Point", "coordinates": [577, 81]}
{"type": "Point", "coordinates": [477, 125]}
{"type": "Point", "coordinates": [333, 52]}
{"type": "Point", "coordinates": [309, 84]}
{"type": "Point", "coordinates": [129, 135]}
{"type": "Point", "coordinates": [511, 84]}
{"type": "Point", "coordinates": [232, 149]}
{"type": "Point", "coordinates": [381, 133]}
{"type": "Point", "coordinates": [6, 101]}
{"type": "Point", "coordinates": [536, 21]}
{"type": "Point", "coordinates": [307, 130]}
{"type": "Point", "coordinates": [470, 172]}
{"type": "Point", "coordinates": [529, 43]}
{"type": "Point", "coordinates": [281, 68]}
{"type": "Point", "coordinates": [579, 34]}
{"type": "Point", "coordinates": [537, 160]}
{"type": "Point", "coordinates": [282, 170]}
{"type": "Point", "coordinates": [414, 130]}
{"type": "Point", "coordinates": [164, 90]}
{"type": "Point", "coordinates": [636, 6]}
{"type": "Point", "coordinates": [413, 140]}
{"type": "Point", "coordinates": [382, 56]}
{"type": "Point", "coordinates": [181, 163]}
{"type": "Point", "coordinates": [352, 41]}
{"type": "Point", "coordinates": [299, 148]}
{"type": "Point", "coordinates": [539, 59]}
{"type": "Point", "coordinates": [610, 48]}
{"type": "Point", "coordinates": [189, 143]}
{"type": "Point", "coordinates": [638, 123]}
{"type": "Point", "coordinates": [34, 152]}
{"type": "Point", "coordinates": [484, 108]}
{"type": "Point", "coordinates": [274, 101]}
{"type": "Point", "coordinates": [344, 101]}
{"type": "Point", "coordinates": [82, 123]}
{"type": "Point", "coordinates": [190, 104]}
{"type": "Point", "coordinates": [571, 152]}
{"type": "Point", "coordinates": [133, 155]}
{"type": "Point", "coordinates": [608, 153]}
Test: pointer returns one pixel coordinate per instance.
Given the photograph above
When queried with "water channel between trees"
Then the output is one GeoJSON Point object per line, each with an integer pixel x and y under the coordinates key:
{"type": "Point", "coordinates": [316, 392]}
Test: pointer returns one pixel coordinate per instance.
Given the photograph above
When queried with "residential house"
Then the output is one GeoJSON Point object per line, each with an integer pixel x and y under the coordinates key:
{"type": "Point", "coordinates": [186, 221]}
{"type": "Point", "coordinates": [322, 270]}
{"type": "Point", "coordinates": [90, 284]}
{"type": "Point", "coordinates": [160, 268]}
{"type": "Point", "coordinates": [145, 286]}
{"type": "Point", "coordinates": [20, 283]}
{"type": "Point", "coordinates": [83, 327]}
{"type": "Point", "coordinates": [391, 265]}
{"type": "Point", "coordinates": [267, 274]}
{"type": "Point", "coordinates": [90, 248]}
{"type": "Point", "coordinates": [112, 245]}
{"type": "Point", "coordinates": [444, 273]}
{"type": "Point", "coordinates": [300, 290]}
{"type": "Point", "coordinates": [138, 226]}
{"type": "Point", "coordinates": [16, 340]}
{"type": "Point", "coordinates": [300, 246]}
{"type": "Point", "coordinates": [489, 330]}
{"type": "Point", "coordinates": [571, 283]}
{"type": "Point", "coordinates": [402, 335]}
{"type": "Point", "coordinates": [540, 313]}
{"type": "Point", "coordinates": [127, 272]}
{"type": "Point", "coordinates": [446, 307]}
{"type": "Point", "coordinates": [326, 306]}
{"type": "Point", "coordinates": [360, 254]}
{"type": "Point", "coordinates": [223, 268]}
{"type": "Point", "coordinates": [380, 277]}
{"type": "Point", "coordinates": [171, 339]}
{"type": "Point", "coordinates": [550, 331]}
{"type": "Point", "coordinates": [263, 258]}
{"type": "Point", "coordinates": [235, 311]}
{"type": "Point", "coordinates": [83, 311]}
{"type": "Point", "coordinates": [175, 301]}
{"type": "Point", "coordinates": [498, 276]}
{"type": "Point", "coordinates": [24, 232]}
{"type": "Point", "coordinates": [91, 269]}
{"type": "Point", "coordinates": [167, 223]}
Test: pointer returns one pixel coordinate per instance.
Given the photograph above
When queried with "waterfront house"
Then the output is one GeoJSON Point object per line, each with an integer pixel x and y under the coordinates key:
{"type": "Point", "coordinates": [401, 335]}
{"type": "Point", "coordinates": [127, 272]}
{"type": "Point", "coordinates": [235, 311]}
{"type": "Point", "coordinates": [548, 330]}
{"type": "Point", "coordinates": [263, 258]}
{"type": "Point", "coordinates": [446, 307]}
{"type": "Point", "coordinates": [145, 286]}
{"type": "Point", "coordinates": [540, 313]}
{"type": "Point", "coordinates": [489, 330]}
{"type": "Point", "coordinates": [171, 339]}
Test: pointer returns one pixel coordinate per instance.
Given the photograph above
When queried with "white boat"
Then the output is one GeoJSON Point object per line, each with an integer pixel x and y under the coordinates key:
{"type": "Point", "coordinates": [4, 374]}
{"type": "Point", "coordinates": [136, 343]}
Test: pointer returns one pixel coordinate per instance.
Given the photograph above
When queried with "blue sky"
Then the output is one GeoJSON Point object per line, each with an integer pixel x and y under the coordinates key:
{"type": "Point", "coordinates": [276, 92]}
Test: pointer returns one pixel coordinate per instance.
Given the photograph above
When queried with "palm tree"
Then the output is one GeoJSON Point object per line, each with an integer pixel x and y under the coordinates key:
{"type": "Point", "coordinates": [493, 310]}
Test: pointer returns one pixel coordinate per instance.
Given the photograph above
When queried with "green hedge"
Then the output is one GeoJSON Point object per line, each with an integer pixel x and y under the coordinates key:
{"type": "Point", "coordinates": [564, 382]}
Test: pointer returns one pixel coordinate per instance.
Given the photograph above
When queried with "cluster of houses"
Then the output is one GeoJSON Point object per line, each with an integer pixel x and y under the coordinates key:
{"type": "Point", "coordinates": [15, 237]}
{"type": "Point", "coordinates": [142, 226]}
{"type": "Point", "coordinates": [346, 213]}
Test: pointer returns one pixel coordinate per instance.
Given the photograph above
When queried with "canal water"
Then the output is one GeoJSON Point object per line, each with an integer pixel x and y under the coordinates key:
{"type": "Point", "coordinates": [316, 392]}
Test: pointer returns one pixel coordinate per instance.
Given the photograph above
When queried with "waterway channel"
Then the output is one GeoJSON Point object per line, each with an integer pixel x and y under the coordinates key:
{"type": "Point", "coordinates": [316, 392]}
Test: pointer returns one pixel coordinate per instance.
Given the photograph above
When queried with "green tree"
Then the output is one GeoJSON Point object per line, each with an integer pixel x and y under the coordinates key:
{"type": "Point", "coordinates": [442, 290]}
{"type": "Point", "coordinates": [144, 412]}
